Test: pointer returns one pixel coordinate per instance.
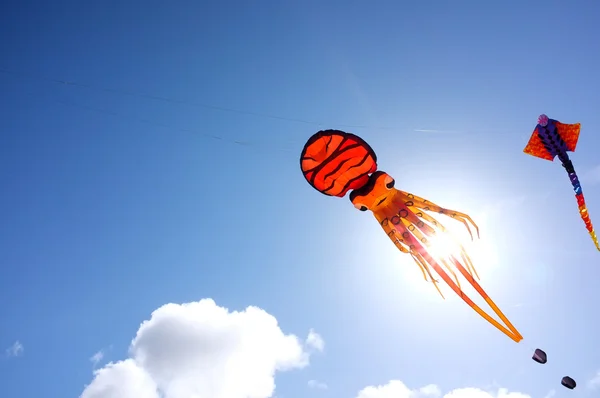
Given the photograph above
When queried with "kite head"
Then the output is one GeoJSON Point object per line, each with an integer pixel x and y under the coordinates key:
{"type": "Point", "coordinates": [543, 120]}
{"type": "Point", "coordinates": [334, 162]}
{"type": "Point", "coordinates": [376, 194]}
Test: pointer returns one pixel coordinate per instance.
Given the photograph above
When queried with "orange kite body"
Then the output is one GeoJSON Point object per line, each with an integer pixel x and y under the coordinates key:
{"type": "Point", "coordinates": [334, 162]}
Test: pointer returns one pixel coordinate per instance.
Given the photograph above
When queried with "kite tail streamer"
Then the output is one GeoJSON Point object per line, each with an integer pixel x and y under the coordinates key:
{"type": "Point", "coordinates": [583, 211]}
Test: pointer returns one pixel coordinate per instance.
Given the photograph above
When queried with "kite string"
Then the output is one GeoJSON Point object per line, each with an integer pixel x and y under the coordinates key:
{"type": "Point", "coordinates": [176, 101]}
{"type": "Point", "coordinates": [228, 109]}
{"type": "Point", "coordinates": [260, 146]}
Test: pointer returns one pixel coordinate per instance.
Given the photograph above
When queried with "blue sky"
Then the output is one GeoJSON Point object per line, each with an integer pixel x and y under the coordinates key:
{"type": "Point", "coordinates": [116, 204]}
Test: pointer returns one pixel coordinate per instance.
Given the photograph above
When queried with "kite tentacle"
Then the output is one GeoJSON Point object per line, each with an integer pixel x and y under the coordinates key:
{"type": "Point", "coordinates": [583, 211]}
{"type": "Point", "coordinates": [463, 252]}
{"type": "Point", "coordinates": [514, 333]}
{"type": "Point", "coordinates": [422, 231]}
{"type": "Point", "coordinates": [426, 205]}
{"type": "Point", "coordinates": [416, 233]}
{"type": "Point", "coordinates": [409, 200]}
{"type": "Point", "coordinates": [403, 247]}
{"type": "Point", "coordinates": [424, 267]}
{"type": "Point", "coordinates": [421, 251]}
{"type": "Point", "coordinates": [416, 250]}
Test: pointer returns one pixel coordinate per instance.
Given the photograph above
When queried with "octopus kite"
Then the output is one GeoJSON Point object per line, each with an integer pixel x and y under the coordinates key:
{"type": "Point", "coordinates": [552, 138]}
{"type": "Point", "coordinates": [334, 162]}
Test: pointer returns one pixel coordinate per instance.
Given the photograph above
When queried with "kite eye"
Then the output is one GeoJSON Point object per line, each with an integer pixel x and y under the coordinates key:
{"type": "Point", "coordinates": [389, 182]}
{"type": "Point", "coordinates": [361, 207]}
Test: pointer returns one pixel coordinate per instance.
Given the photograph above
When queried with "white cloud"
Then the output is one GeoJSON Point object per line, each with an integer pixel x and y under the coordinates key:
{"type": "Point", "coordinates": [315, 341]}
{"type": "Point", "coordinates": [550, 394]}
{"type": "Point", "coordinates": [317, 385]}
{"type": "Point", "coordinates": [15, 350]}
{"type": "Point", "coordinates": [97, 357]}
{"type": "Point", "coordinates": [397, 389]}
{"type": "Point", "coordinates": [124, 379]}
{"type": "Point", "coordinates": [594, 383]}
{"type": "Point", "coordinates": [472, 392]}
{"type": "Point", "coordinates": [199, 349]}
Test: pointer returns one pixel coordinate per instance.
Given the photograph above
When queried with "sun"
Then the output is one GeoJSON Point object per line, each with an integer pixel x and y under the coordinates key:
{"type": "Point", "coordinates": [447, 244]}
{"type": "Point", "coordinates": [443, 246]}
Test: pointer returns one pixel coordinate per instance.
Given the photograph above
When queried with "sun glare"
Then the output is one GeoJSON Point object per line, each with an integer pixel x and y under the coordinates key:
{"type": "Point", "coordinates": [480, 251]}
{"type": "Point", "coordinates": [442, 246]}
